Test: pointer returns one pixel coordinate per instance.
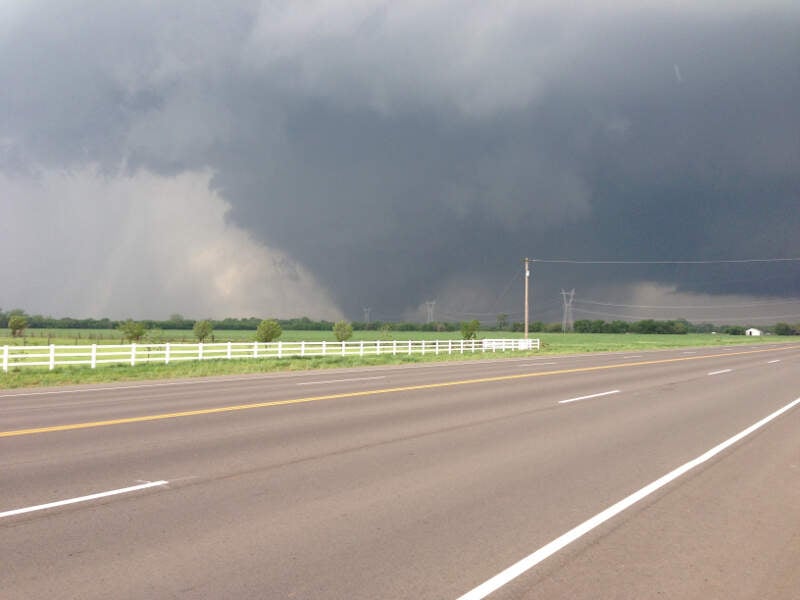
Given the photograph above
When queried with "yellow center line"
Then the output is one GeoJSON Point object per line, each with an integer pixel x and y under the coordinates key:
{"type": "Point", "coordinates": [393, 390]}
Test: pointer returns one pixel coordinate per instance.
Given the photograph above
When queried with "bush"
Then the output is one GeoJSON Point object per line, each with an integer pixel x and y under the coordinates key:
{"type": "Point", "coordinates": [202, 329]}
{"type": "Point", "coordinates": [469, 329]}
{"type": "Point", "coordinates": [342, 330]}
{"type": "Point", "coordinates": [268, 330]}
{"type": "Point", "coordinates": [132, 330]}
{"type": "Point", "coordinates": [17, 325]}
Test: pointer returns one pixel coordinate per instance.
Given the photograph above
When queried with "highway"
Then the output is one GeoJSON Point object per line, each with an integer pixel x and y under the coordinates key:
{"type": "Point", "coordinates": [524, 478]}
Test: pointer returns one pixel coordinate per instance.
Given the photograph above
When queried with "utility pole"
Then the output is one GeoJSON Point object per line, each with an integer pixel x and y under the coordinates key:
{"type": "Point", "coordinates": [429, 306]}
{"type": "Point", "coordinates": [367, 310]}
{"type": "Point", "coordinates": [566, 315]}
{"type": "Point", "coordinates": [527, 279]}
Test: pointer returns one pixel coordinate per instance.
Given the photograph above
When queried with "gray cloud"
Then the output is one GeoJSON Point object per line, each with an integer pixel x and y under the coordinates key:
{"type": "Point", "coordinates": [406, 151]}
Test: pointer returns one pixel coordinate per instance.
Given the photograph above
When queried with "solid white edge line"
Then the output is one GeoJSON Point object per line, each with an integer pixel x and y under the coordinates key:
{"type": "Point", "coordinates": [589, 396]}
{"type": "Point", "coordinates": [573, 534]}
{"type": "Point", "coordinates": [133, 488]}
{"type": "Point", "coordinates": [777, 360]}
{"type": "Point", "coordinates": [720, 372]}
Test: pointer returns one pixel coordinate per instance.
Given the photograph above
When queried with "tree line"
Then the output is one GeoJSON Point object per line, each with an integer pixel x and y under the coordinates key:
{"type": "Point", "coordinates": [18, 319]}
{"type": "Point", "coordinates": [175, 321]}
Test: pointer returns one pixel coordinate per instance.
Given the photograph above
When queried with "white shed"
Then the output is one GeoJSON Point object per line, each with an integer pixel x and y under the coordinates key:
{"type": "Point", "coordinates": [753, 331]}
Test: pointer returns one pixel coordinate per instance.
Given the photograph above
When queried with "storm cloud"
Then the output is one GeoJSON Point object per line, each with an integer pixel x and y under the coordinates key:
{"type": "Point", "coordinates": [393, 153]}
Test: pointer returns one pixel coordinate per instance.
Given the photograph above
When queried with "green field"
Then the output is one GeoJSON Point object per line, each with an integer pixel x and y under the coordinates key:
{"type": "Point", "coordinates": [41, 337]}
{"type": "Point", "coordinates": [552, 343]}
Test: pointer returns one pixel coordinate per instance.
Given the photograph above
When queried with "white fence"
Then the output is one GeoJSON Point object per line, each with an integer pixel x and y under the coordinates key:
{"type": "Point", "coordinates": [133, 354]}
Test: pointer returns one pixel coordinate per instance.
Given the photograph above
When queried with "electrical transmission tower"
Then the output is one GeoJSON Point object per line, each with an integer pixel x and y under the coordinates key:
{"type": "Point", "coordinates": [367, 310]}
{"type": "Point", "coordinates": [429, 305]}
{"type": "Point", "coordinates": [567, 320]}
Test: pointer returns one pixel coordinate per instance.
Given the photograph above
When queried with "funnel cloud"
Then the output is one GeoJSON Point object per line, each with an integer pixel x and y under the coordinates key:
{"type": "Point", "coordinates": [281, 158]}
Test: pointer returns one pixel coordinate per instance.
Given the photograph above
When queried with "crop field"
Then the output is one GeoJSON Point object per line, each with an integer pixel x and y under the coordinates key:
{"type": "Point", "coordinates": [552, 342]}
{"type": "Point", "coordinates": [608, 342]}
{"type": "Point", "coordinates": [39, 337]}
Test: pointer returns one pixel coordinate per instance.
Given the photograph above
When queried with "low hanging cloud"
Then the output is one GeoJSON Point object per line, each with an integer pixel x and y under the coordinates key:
{"type": "Point", "coordinates": [405, 151]}
{"type": "Point", "coordinates": [140, 245]}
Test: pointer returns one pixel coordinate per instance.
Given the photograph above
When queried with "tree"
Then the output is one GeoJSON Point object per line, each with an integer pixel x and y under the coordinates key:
{"type": "Point", "coordinates": [469, 329]}
{"type": "Point", "coordinates": [268, 330]}
{"type": "Point", "coordinates": [386, 331]}
{"type": "Point", "coordinates": [132, 330]}
{"type": "Point", "coordinates": [502, 321]}
{"type": "Point", "coordinates": [342, 330]}
{"type": "Point", "coordinates": [17, 325]}
{"type": "Point", "coordinates": [783, 329]}
{"type": "Point", "coordinates": [202, 329]}
{"type": "Point", "coordinates": [733, 330]}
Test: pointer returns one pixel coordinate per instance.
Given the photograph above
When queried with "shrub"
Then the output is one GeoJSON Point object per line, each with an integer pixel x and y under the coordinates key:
{"type": "Point", "coordinates": [132, 330]}
{"type": "Point", "coordinates": [342, 330]}
{"type": "Point", "coordinates": [17, 325]}
{"type": "Point", "coordinates": [268, 330]}
{"type": "Point", "coordinates": [469, 329]}
{"type": "Point", "coordinates": [202, 329]}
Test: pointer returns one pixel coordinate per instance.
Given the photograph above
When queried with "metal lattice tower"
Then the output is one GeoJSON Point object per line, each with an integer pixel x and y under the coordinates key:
{"type": "Point", "coordinates": [567, 320]}
{"type": "Point", "coordinates": [429, 305]}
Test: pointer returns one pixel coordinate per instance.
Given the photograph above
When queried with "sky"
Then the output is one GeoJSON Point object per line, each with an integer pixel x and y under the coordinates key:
{"type": "Point", "coordinates": [320, 157]}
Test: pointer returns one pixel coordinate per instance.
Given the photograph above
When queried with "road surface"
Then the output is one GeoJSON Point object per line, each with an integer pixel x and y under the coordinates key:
{"type": "Point", "coordinates": [428, 481]}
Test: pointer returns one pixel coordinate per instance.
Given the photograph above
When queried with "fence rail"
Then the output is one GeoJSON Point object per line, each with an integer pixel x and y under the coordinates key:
{"type": "Point", "coordinates": [97, 354]}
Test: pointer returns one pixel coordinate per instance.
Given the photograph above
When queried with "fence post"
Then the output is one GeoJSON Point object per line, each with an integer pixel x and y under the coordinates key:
{"type": "Point", "coordinates": [200, 351]}
{"type": "Point", "coordinates": [166, 353]}
{"type": "Point", "coordinates": [409, 347]}
{"type": "Point", "coordinates": [343, 349]}
{"type": "Point", "coordinates": [449, 346]}
{"type": "Point", "coordinates": [394, 347]}
{"type": "Point", "coordinates": [323, 347]}
{"type": "Point", "coordinates": [361, 348]}
{"type": "Point", "coordinates": [229, 350]}
{"type": "Point", "coordinates": [52, 356]}
{"type": "Point", "coordinates": [473, 344]}
{"type": "Point", "coordinates": [437, 347]}
{"type": "Point", "coordinates": [462, 346]}
{"type": "Point", "coordinates": [378, 347]}
{"type": "Point", "coordinates": [280, 349]}
{"type": "Point", "coordinates": [133, 354]}
{"type": "Point", "coordinates": [255, 349]}
{"type": "Point", "coordinates": [302, 348]}
{"type": "Point", "coordinates": [5, 359]}
{"type": "Point", "coordinates": [94, 356]}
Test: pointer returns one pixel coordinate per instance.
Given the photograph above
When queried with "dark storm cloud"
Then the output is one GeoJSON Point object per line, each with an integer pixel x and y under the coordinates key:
{"type": "Point", "coordinates": [406, 151]}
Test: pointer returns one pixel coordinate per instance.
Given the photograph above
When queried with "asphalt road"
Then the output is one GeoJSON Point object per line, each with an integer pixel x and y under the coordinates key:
{"type": "Point", "coordinates": [413, 482]}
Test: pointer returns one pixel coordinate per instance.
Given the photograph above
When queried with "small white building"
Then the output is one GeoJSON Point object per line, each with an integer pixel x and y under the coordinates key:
{"type": "Point", "coordinates": [753, 331]}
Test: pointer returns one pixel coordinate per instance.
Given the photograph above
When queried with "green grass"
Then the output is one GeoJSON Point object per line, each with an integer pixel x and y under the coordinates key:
{"type": "Point", "coordinates": [559, 343]}
{"type": "Point", "coordinates": [42, 337]}
{"type": "Point", "coordinates": [41, 376]}
{"type": "Point", "coordinates": [552, 343]}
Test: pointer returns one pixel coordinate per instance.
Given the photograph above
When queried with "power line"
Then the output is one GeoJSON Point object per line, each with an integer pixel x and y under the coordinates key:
{"type": "Point", "coordinates": [661, 262]}
{"type": "Point", "coordinates": [721, 319]}
{"type": "Point", "coordinates": [748, 305]}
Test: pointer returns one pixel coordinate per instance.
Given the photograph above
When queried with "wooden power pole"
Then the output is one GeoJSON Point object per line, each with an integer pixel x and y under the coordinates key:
{"type": "Point", "coordinates": [527, 278]}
